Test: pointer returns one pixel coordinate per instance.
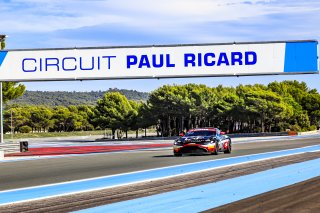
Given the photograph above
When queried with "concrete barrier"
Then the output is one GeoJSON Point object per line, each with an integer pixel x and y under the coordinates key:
{"type": "Point", "coordinates": [309, 132]}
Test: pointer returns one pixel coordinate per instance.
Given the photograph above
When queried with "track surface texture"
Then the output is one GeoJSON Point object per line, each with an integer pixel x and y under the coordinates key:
{"type": "Point", "coordinates": [96, 198]}
{"type": "Point", "coordinates": [54, 170]}
{"type": "Point", "coordinates": [302, 197]}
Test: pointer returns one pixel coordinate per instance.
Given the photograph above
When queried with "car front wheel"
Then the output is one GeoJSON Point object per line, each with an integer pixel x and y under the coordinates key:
{"type": "Point", "coordinates": [216, 149]}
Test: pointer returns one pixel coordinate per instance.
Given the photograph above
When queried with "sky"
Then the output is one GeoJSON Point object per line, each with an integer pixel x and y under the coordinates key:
{"type": "Point", "coordinates": [89, 23]}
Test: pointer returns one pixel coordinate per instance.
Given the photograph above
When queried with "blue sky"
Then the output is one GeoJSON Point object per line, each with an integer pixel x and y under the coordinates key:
{"type": "Point", "coordinates": [81, 23]}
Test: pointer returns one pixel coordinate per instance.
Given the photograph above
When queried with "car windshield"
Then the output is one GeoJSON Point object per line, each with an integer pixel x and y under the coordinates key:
{"type": "Point", "coordinates": [200, 133]}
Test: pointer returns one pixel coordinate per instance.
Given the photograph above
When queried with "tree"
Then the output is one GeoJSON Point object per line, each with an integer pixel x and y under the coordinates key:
{"type": "Point", "coordinates": [3, 43]}
{"type": "Point", "coordinates": [229, 110]}
{"type": "Point", "coordinates": [202, 98]}
{"type": "Point", "coordinates": [20, 117]}
{"type": "Point", "coordinates": [131, 118]}
{"type": "Point", "coordinates": [11, 90]}
{"type": "Point", "coordinates": [311, 103]}
{"type": "Point", "coordinates": [170, 104]}
{"type": "Point", "coordinates": [87, 113]}
{"type": "Point", "coordinates": [246, 108]}
{"type": "Point", "coordinates": [112, 111]}
{"type": "Point", "coordinates": [60, 119]}
{"type": "Point", "coordinates": [180, 108]}
{"type": "Point", "coordinates": [41, 118]}
{"type": "Point", "coordinates": [265, 104]}
{"type": "Point", "coordinates": [304, 101]}
{"type": "Point", "coordinates": [68, 119]}
{"type": "Point", "coordinates": [147, 118]}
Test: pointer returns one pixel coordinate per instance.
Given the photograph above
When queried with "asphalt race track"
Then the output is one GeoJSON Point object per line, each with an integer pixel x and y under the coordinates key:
{"type": "Point", "coordinates": [21, 174]}
{"type": "Point", "coordinates": [46, 171]}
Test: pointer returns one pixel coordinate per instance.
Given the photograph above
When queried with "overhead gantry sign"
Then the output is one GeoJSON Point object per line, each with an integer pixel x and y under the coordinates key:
{"type": "Point", "coordinates": [165, 61]}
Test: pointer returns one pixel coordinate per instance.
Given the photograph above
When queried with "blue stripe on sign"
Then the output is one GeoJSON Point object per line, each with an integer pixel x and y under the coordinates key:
{"type": "Point", "coordinates": [40, 192]}
{"type": "Point", "coordinates": [301, 57]}
{"type": "Point", "coordinates": [204, 197]}
{"type": "Point", "coordinates": [2, 56]}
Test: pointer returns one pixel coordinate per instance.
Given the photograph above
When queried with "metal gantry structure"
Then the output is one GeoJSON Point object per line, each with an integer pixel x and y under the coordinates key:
{"type": "Point", "coordinates": [157, 61]}
{"type": "Point", "coordinates": [2, 39]}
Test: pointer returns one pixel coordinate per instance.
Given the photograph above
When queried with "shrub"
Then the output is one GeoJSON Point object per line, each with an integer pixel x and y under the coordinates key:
{"type": "Point", "coordinates": [25, 129]}
{"type": "Point", "coordinates": [295, 127]}
{"type": "Point", "coordinates": [313, 127]}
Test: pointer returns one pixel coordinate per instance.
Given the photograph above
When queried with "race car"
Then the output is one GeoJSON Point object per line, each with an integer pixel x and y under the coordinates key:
{"type": "Point", "coordinates": [202, 141]}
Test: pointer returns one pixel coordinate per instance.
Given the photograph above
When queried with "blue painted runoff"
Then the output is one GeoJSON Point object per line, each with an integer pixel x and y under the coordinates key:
{"type": "Point", "coordinates": [204, 197]}
{"type": "Point", "coordinates": [39, 192]}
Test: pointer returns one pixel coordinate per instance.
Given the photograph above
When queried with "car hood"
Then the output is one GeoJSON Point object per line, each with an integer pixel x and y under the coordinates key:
{"type": "Point", "coordinates": [194, 138]}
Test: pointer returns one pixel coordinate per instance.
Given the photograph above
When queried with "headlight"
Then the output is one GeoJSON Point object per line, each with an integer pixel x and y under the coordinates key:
{"type": "Point", "coordinates": [177, 142]}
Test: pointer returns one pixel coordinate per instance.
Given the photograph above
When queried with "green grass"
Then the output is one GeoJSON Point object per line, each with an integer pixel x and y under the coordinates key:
{"type": "Point", "coordinates": [67, 134]}
{"type": "Point", "coordinates": [53, 134]}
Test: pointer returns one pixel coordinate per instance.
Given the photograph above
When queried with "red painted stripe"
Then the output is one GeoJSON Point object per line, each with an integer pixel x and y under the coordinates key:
{"type": "Point", "coordinates": [84, 149]}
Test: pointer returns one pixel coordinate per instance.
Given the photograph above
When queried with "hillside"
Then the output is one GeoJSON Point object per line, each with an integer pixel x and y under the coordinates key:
{"type": "Point", "coordinates": [63, 98]}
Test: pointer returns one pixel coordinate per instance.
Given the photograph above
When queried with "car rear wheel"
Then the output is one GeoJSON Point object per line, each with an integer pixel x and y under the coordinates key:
{"type": "Point", "coordinates": [228, 150]}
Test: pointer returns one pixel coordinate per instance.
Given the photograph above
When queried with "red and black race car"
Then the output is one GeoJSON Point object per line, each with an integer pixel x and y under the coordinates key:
{"type": "Point", "coordinates": [201, 141]}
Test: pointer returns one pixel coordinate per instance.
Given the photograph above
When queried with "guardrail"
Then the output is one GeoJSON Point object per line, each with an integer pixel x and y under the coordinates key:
{"type": "Point", "coordinates": [9, 147]}
{"type": "Point", "coordinates": [261, 134]}
{"type": "Point", "coordinates": [234, 135]}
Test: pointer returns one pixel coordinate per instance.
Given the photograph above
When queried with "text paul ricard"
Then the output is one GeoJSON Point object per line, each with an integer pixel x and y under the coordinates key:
{"type": "Point", "coordinates": [141, 61]}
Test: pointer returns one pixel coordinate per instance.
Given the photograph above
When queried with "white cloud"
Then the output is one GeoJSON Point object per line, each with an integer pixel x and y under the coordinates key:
{"type": "Point", "coordinates": [52, 15]}
{"type": "Point", "coordinates": [69, 23]}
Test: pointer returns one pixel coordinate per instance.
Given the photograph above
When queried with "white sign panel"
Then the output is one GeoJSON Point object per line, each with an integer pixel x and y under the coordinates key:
{"type": "Point", "coordinates": [159, 61]}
